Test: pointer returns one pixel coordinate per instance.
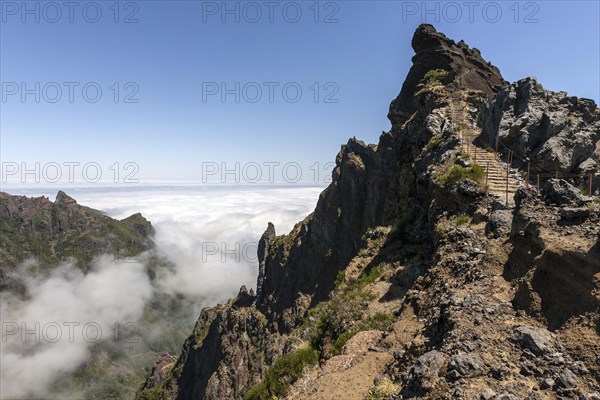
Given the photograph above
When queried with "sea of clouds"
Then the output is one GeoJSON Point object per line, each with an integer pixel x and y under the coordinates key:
{"type": "Point", "coordinates": [209, 233]}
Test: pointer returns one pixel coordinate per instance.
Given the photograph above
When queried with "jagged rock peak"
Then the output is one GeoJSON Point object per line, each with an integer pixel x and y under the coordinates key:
{"type": "Point", "coordinates": [139, 223]}
{"type": "Point", "coordinates": [270, 229]}
{"type": "Point", "coordinates": [464, 69]}
{"type": "Point", "coordinates": [244, 298]}
{"type": "Point", "coordinates": [263, 246]}
{"type": "Point", "coordinates": [64, 199]}
{"type": "Point", "coordinates": [159, 371]}
{"type": "Point", "coordinates": [426, 36]}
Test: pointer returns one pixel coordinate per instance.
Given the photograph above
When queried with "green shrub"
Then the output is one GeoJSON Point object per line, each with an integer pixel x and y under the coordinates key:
{"type": "Point", "coordinates": [584, 189]}
{"type": "Point", "coordinates": [155, 393]}
{"type": "Point", "coordinates": [435, 76]}
{"type": "Point", "coordinates": [457, 174]}
{"type": "Point", "coordinates": [340, 278]}
{"type": "Point", "coordinates": [405, 223]}
{"type": "Point", "coordinates": [328, 320]}
{"type": "Point", "coordinates": [369, 276]}
{"type": "Point", "coordinates": [379, 321]}
{"type": "Point", "coordinates": [462, 219]}
{"type": "Point", "coordinates": [286, 370]}
{"type": "Point", "coordinates": [434, 142]}
{"type": "Point", "coordinates": [441, 229]}
{"type": "Point", "coordinates": [341, 342]}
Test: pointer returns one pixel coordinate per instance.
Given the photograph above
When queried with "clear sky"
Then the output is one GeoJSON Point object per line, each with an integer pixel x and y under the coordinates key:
{"type": "Point", "coordinates": [349, 59]}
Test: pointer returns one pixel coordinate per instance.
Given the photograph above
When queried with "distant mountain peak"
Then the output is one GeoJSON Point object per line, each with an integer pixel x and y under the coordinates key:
{"type": "Point", "coordinates": [64, 199]}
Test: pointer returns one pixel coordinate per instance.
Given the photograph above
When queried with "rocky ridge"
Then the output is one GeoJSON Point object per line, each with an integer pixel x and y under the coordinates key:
{"type": "Point", "coordinates": [409, 280]}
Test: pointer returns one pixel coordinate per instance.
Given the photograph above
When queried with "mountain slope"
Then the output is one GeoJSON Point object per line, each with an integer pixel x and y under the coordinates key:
{"type": "Point", "coordinates": [52, 232]}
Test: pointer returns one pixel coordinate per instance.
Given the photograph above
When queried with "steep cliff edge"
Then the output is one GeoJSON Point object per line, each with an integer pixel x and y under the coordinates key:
{"type": "Point", "coordinates": [397, 285]}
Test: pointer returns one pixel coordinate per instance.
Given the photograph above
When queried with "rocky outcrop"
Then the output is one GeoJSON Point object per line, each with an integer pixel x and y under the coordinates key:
{"type": "Point", "coordinates": [465, 69]}
{"type": "Point", "coordinates": [299, 268]}
{"type": "Point", "coordinates": [162, 366]}
{"type": "Point", "coordinates": [140, 224]}
{"type": "Point", "coordinates": [229, 345]}
{"type": "Point", "coordinates": [554, 261]}
{"type": "Point", "coordinates": [558, 133]}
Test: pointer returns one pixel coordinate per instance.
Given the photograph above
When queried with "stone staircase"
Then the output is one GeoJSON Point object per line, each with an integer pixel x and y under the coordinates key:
{"type": "Point", "coordinates": [501, 180]}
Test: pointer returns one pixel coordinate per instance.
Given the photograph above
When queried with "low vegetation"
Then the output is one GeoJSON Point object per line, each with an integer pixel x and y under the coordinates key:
{"type": "Point", "coordinates": [330, 324]}
{"type": "Point", "coordinates": [443, 226]}
{"type": "Point", "coordinates": [433, 143]}
{"type": "Point", "coordinates": [462, 219]}
{"type": "Point", "coordinates": [432, 81]}
{"type": "Point", "coordinates": [286, 370]}
{"type": "Point", "coordinates": [435, 77]}
{"type": "Point", "coordinates": [382, 389]}
{"type": "Point", "coordinates": [584, 189]}
{"type": "Point", "coordinates": [456, 174]}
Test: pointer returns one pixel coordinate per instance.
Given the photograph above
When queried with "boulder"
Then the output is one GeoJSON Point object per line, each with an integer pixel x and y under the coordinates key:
{"type": "Point", "coordinates": [574, 213]}
{"type": "Point", "coordinates": [470, 189]}
{"type": "Point", "coordinates": [430, 366]}
{"type": "Point", "coordinates": [467, 365]}
{"type": "Point", "coordinates": [487, 394]}
{"type": "Point", "coordinates": [499, 223]}
{"type": "Point", "coordinates": [561, 193]}
{"type": "Point", "coordinates": [538, 340]}
{"type": "Point", "coordinates": [568, 379]}
{"type": "Point", "coordinates": [547, 383]}
{"type": "Point", "coordinates": [505, 396]}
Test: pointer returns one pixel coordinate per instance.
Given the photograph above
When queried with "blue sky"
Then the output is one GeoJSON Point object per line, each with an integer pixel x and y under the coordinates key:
{"type": "Point", "coordinates": [178, 51]}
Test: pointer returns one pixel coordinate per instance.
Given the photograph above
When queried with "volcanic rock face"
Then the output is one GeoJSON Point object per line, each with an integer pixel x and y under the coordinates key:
{"type": "Point", "coordinates": [301, 267]}
{"type": "Point", "coordinates": [398, 243]}
{"type": "Point", "coordinates": [464, 66]}
{"type": "Point", "coordinates": [558, 133]}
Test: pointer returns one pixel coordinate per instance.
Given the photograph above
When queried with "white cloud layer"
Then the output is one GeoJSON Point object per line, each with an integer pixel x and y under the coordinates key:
{"type": "Point", "coordinates": [197, 228]}
{"type": "Point", "coordinates": [192, 223]}
{"type": "Point", "coordinates": [50, 333]}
